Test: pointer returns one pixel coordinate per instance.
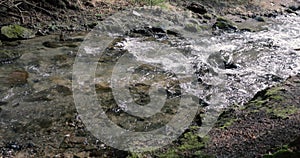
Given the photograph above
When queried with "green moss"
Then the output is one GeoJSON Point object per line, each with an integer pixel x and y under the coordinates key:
{"type": "Point", "coordinates": [276, 97]}
{"type": "Point", "coordinates": [191, 141]}
{"type": "Point", "coordinates": [228, 123]}
{"type": "Point", "coordinates": [259, 103]}
{"type": "Point", "coordinates": [190, 145]}
{"type": "Point", "coordinates": [274, 93]}
{"type": "Point", "coordinates": [283, 112]}
{"type": "Point", "coordinates": [99, 15]}
{"type": "Point", "coordinates": [172, 153]}
{"type": "Point", "coordinates": [135, 155]}
{"type": "Point", "coordinates": [16, 32]}
{"type": "Point", "coordinates": [271, 101]}
{"type": "Point", "coordinates": [277, 110]}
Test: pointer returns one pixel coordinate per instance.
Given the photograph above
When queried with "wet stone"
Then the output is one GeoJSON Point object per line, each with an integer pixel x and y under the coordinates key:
{"type": "Point", "coordinates": [148, 32]}
{"type": "Point", "coordinates": [17, 77]}
{"type": "Point", "coordinates": [140, 92]}
{"type": "Point", "coordinates": [65, 91]}
{"type": "Point", "coordinates": [294, 8]}
{"type": "Point", "coordinates": [102, 86]}
{"type": "Point", "coordinates": [16, 32]}
{"type": "Point", "coordinates": [197, 8]}
{"type": "Point", "coordinates": [259, 19]}
{"type": "Point", "coordinates": [224, 24]}
{"type": "Point", "coordinates": [3, 103]}
{"type": "Point", "coordinates": [8, 56]}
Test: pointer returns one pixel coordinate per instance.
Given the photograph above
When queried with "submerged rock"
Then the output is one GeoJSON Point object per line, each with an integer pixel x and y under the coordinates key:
{"type": "Point", "coordinates": [16, 32]}
{"type": "Point", "coordinates": [17, 77]}
{"type": "Point", "coordinates": [57, 44]}
{"type": "Point", "coordinates": [7, 56]}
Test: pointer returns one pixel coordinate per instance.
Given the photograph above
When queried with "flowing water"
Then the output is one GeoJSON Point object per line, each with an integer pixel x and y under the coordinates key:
{"type": "Point", "coordinates": [229, 68]}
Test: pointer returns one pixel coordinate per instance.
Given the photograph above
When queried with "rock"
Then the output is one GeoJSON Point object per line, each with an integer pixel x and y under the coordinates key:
{"type": "Point", "coordinates": [294, 8]}
{"type": "Point", "coordinates": [7, 56]}
{"type": "Point", "coordinates": [291, 11]}
{"type": "Point", "coordinates": [17, 77]}
{"type": "Point", "coordinates": [259, 19]}
{"type": "Point", "coordinates": [63, 90]}
{"type": "Point", "coordinates": [224, 24]}
{"type": "Point", "coordinates": [246, 30]}
{"type": "Point", "coordinates": [16, 32]}
{"type": "Point", "coordinates": [3, 103]}
{"type": "Point", "coordinates": [46, 94]}
{"type": "Point", "coordinates": [207, 16]}
{"type": "Point", "coordinates": [192, 28]}
{"type": "Point", "coordinates": [102, 86]}
{"type": "Point", "coordinates": [0, 43]}
{"type": "Point", "coordinates": [197, 8]}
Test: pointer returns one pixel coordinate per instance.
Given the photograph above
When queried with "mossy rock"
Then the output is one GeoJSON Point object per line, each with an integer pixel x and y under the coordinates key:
{"type": "Point", "coordinates": [272, 102]}
{"type": "Point", "coordinates": [16, 32]}
{"type": "Point", "coordinates": [224, 24]}
{"type": "Point", "coordinates": [189, 145]}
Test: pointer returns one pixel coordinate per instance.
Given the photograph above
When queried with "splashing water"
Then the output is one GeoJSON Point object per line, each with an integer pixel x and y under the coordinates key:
{"type": "Point", "coordinates": [232, 67]}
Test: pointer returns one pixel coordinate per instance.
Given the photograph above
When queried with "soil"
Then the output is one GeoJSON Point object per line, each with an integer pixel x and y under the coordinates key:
{"type": "Point", "coordinates": [257, 129]}
{"type": "Point", "coordinates": [48, 16]}
{"type": "Point", "coordinates": [252, 131]}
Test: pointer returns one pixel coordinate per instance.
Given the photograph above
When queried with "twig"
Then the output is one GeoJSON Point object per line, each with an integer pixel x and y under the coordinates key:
{"type": "Point", "coordinates": [40, 8]}
{"type": "Point", "coordinates": [21, 12]}
{"type": "Point", "coordinates": [12, 14]}
{"type": "Point", "coordinates": [37, 17]}
{"type": "Point", "coordinates": [1, 3]}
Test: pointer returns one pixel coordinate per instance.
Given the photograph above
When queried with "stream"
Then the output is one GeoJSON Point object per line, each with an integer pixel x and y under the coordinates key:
{"type": "Point", "coordinates": [155, 56]}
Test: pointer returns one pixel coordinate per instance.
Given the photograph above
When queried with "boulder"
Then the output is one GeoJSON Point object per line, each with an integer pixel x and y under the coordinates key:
{"type": "Point", "coordinates": [16, 32]}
